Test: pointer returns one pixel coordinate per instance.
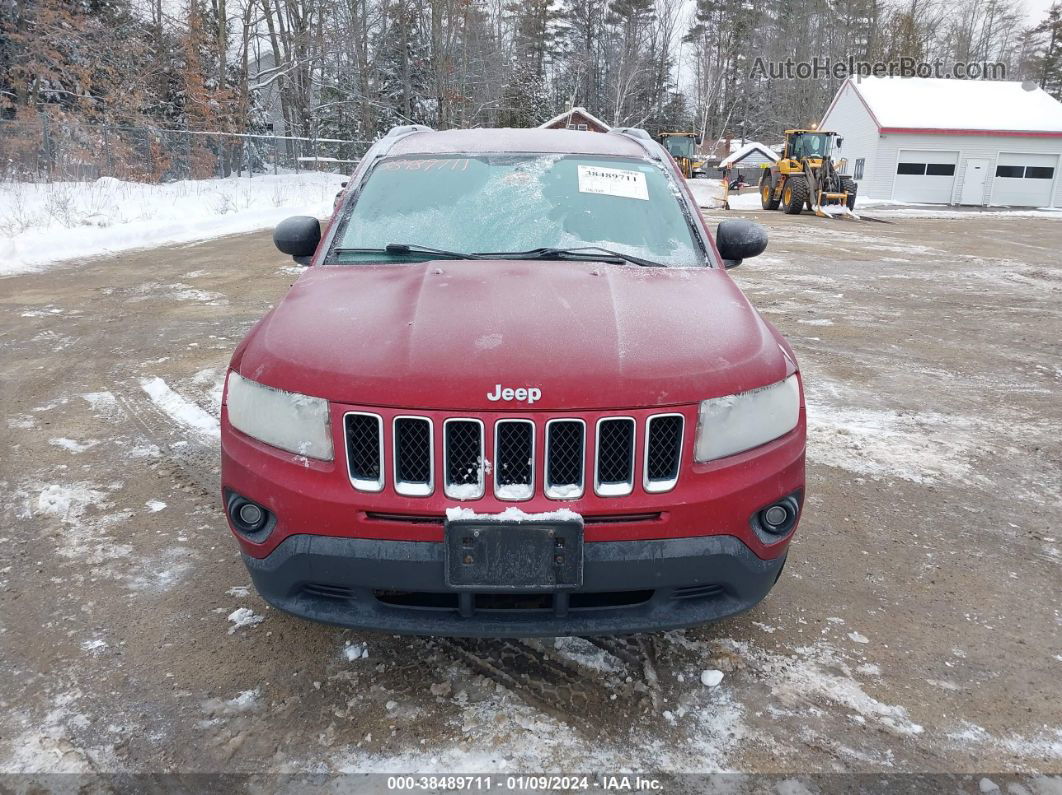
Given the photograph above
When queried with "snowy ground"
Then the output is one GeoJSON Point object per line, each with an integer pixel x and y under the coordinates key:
{"type": "Point", "coordinates": [709, 195]}
{"type": "Point", "coordinates": [42, 223]}
{"type": "Point", "coordinates": [916, 626]}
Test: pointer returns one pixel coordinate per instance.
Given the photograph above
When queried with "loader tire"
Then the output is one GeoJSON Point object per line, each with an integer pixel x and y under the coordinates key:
{"type": "Point", "coordinates": [767, 200]}
{"type": "Point", "coordinates": [848, 185]}
{"type": "Point", "coordinates": [794, 195]}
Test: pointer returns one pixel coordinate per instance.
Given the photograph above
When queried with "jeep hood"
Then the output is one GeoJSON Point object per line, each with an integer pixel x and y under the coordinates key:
{"type": "Point", "coordinates": [443, 334]}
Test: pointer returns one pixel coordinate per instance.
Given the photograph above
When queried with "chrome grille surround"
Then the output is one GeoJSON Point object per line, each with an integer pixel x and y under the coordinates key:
{"type": "Point", "coordinates": [565, 468]}
{"type": "Point", "coordinates": [408, 455]}
{"type": "Point", "coordinates": [463, 453]}
{"type": "Point", "coordinates": [624, 449]}
{"type": "Point", "coordinates": [614, 456]}
{"type": "Point", "coordinates": [663, 447]}
{"type": "Point", "coordinates": [514, 480]}
{"type": "Point", "coordinates": [359, 439]}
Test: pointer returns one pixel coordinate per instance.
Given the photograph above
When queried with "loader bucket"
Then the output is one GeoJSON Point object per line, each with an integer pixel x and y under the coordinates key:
{"type": "Point", "coordinates": [840, 211]}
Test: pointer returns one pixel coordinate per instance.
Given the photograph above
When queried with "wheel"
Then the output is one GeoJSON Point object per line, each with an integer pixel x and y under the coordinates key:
{"type": "Point", "coordinates": [767, 201]}
{"type": "Point", "coordinates": [848, 185]}
{"type": "Point", "coordinates": [794, 195]}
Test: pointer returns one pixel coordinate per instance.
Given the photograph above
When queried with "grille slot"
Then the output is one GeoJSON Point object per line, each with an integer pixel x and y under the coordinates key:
{"type": "Point", "coordinates": [463, 457]}
{"type": "Point", "coordinates": [663, 451]}
{"type": "Point", "coordinates": [614, 457]}
{"type": "Point", "coordinates": [364, 434]}
{"type": "Point", "coordinates": [698, 591]}
{"type": "Point", "coordinates": [565, 459]}
{"type": "Point", "coordinates": [514, 455]}
{"type": "Point", "coordinates": [327, 591]}
{"type": "Point", "coordinates": [414, 451]}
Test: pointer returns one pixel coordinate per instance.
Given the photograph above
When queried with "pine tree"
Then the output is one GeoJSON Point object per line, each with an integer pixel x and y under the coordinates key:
{"type": "Point", "coordinates": [524, 102]}
{"type": "Point", "coordinates": [1046, 61]}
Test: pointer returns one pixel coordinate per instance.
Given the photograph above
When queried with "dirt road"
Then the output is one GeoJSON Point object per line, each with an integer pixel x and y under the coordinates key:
{"type": "Point", "coordinates": [917, 627]}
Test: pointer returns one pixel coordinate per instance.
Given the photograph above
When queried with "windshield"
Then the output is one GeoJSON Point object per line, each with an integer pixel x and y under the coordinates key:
{"type": "Point", "coordinates": [513, 203]}
{"type": "Point", "coordinates": [811, 145]}
{"type": "Point", "coordinates": [679, 147]}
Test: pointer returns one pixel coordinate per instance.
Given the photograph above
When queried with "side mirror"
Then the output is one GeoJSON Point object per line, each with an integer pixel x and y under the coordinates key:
{"type": "Point", "coordinates": [298, 236]}
{"type": "Point", "coordinates": [738, 240]}
{"type": "Point", "coordinates": [840, 142]}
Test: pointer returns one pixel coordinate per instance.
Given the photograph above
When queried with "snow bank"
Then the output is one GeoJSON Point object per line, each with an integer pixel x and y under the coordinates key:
{"type": "Point", "coordinates": [709, 195]}
{"type": "Point", "coordinates": [42, 223]}
{"type": "Point", "coordinates": [707, 192]}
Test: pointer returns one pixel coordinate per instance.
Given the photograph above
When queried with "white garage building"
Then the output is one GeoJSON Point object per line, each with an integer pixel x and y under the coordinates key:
{"type": "Point", "coordinates": [936, 141]}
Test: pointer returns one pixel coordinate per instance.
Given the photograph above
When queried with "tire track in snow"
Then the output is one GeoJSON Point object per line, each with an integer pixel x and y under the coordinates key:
{"type": "Point", "coordinates": [181, 410]}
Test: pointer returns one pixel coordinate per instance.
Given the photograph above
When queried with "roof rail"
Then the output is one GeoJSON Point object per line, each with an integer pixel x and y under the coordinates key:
{"type": "Point", "coordinates": [407, 129]}
{"type": "Point", "coordinates": [632, 132]}
{"type": "Point", "coordinates": [392, 137]}
{"type": "Point", "coordinates": [640, 137]}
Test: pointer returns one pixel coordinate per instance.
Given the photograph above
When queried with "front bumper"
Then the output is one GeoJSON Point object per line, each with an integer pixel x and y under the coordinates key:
{"type": "Point", "coordinates": [398, 587]}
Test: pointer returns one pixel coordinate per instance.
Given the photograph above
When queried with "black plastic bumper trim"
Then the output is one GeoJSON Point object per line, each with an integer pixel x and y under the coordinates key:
{"type": "Point", "coordinates": [360, 566]}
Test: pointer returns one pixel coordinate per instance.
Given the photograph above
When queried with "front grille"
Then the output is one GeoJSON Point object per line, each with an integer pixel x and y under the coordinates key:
{"type": "Point", "coordinates": [413, 456]}
{"type": "Point", "coordinates": [514, 456]}
{"type": "Point", "coordinates": [465, 467]}
{"type": "Point", "coordinates": [663, 451]}
{"type": "Point", "coordinates": [463, 458]}
{"type": "Point", "coordinates": [615, 457]}
{"type": "Point", "coordinates": [364, 450]}
{"type": "Point", "coordinates": [565, 444]}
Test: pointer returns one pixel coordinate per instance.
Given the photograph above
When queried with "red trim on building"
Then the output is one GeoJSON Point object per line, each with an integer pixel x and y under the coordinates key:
{"type": "Point", "coordinates": [938, 131]}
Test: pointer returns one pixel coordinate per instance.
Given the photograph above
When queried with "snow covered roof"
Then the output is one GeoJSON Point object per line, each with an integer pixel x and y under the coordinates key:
{"type": "Point", "coordinates": [578, 109]}
{"type": "Point", "coordinates": [745, 151]}
{"type": "Point", "coordinates": [918, 104]}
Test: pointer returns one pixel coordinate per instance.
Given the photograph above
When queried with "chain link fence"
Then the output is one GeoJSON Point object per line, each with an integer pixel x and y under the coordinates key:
{"type": "Point", "coordinates": [50, 150]}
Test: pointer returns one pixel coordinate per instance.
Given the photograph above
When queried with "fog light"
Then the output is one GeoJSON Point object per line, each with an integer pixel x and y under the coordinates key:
{"type": "Point", "coordinates": [247, 517]}
{"type": "Point", "coordinates": [772, 517]}
{"type": "Point", "coordinates": [779, 518]}
{"type": "Point", "coordinates": [253, 516]}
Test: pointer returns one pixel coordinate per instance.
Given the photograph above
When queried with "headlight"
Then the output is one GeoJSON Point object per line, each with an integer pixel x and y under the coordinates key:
{"type": "Point", "coordinates": [731, 424]}
{"type": "Point", "coordinates": [293, 422]}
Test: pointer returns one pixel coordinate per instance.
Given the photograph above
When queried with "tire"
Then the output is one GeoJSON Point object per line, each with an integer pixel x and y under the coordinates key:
{"type": "Point", "coordinates": [794, 195]}
{"type": "Point", "coordinates": [848, 185]}
{"type": "Point", "coordinates": [767, 192]}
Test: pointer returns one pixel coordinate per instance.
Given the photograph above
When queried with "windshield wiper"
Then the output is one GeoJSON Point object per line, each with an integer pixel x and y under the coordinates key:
{"type": "Point", "coordinates": [548, 252]}
{"type": "Point", "coordinates": [409, 248]}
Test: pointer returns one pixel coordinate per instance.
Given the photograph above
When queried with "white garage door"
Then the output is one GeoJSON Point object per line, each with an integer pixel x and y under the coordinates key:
{"type": "Point", "coordinates": [924, 176]}
{"type": "Point", "coordinates": [1024, 180]}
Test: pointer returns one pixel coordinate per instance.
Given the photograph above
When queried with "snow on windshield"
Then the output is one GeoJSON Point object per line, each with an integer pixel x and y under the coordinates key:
{"type": "Point", "coordinates": [506, 203]}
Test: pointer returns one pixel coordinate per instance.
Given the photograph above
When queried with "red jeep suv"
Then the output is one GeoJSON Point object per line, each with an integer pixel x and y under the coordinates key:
{"type": "Point", "coordinates": [515, 394]}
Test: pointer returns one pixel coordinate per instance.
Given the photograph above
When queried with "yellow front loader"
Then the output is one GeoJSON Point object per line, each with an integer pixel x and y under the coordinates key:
{"type": "Point", "coordinates": [683, 147]}
{"type": "Point", "coordinates": [806, 176]}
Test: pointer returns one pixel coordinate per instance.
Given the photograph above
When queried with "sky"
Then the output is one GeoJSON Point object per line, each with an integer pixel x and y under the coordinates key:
{"type": "Point", "coordinates": [1037, 9]}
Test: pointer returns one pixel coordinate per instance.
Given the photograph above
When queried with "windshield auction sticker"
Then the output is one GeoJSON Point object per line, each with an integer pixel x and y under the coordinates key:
{"type": "Point", "coordinates": [613, 182]}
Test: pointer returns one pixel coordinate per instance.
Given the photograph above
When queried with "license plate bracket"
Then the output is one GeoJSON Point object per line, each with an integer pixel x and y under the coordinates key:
{"type": "Point", "coordinates": [527, 556]}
